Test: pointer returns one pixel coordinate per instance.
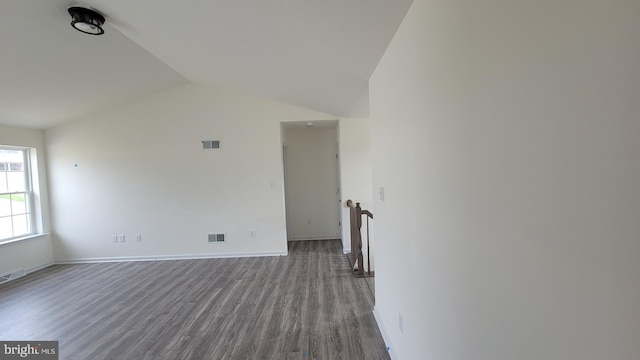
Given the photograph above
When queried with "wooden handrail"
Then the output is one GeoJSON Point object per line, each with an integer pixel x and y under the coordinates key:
{"type": "Point", "coordinates": [356, 213]}
{"type": "Point", "coordinates": [350, 204]}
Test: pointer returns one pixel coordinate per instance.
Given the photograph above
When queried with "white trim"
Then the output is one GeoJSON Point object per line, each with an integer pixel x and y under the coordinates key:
{"type": "Point", "coordinates": [168, 257]}
{"type": "Point", "coordinates": [385, 334]}
{"type": "Point", "coordinates": [28, 237]}
{"type": "Point", "coordinates": [346, 251]}
{"type": "Point", "coordinates": [39, 267]}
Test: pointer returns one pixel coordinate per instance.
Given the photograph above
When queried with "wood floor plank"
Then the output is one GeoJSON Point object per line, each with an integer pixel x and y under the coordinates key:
{"type": "Point", "coordinates": [307, 305]}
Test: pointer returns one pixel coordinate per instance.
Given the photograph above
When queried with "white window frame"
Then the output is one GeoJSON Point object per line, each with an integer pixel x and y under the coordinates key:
{"type": "Point", "coordinates": [27, 193]}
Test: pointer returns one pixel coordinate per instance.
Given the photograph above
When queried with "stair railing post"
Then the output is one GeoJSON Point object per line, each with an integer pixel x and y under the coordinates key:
{"type": "Point", "coordinates": [359, 235]}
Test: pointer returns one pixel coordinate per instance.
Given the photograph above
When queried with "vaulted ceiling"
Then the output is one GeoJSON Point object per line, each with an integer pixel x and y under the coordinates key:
{"type": "Point", "coordinates": [317, 54]}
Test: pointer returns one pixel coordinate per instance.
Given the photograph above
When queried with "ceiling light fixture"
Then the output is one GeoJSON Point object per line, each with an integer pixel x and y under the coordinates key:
{"type": "Point", "coordinates": [86, 20]}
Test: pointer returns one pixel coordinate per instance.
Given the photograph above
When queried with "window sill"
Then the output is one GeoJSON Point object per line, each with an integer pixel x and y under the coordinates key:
{"type": "Point", "coordinates": [28, 237]}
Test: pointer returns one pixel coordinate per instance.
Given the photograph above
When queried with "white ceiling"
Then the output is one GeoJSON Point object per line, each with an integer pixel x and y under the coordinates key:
{"type": "Point", "coordinates": [50, 73]}
{"type": "Point", "coordinates": [318, 54]}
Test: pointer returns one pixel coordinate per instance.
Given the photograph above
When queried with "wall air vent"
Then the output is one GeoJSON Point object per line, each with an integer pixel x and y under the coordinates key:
{"type": "Point", "coordinates": [211, 144]}
{"type": "Point", "coordinates": [5, 278]}
{"type": "Point", "coordinates": [216, 238]}
{"type": "Point", "coordinates": [13, 275]}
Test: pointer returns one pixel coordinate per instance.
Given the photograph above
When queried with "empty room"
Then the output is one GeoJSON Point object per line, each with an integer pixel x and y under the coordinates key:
{"type": "Point", "coordinates": [362, 179]}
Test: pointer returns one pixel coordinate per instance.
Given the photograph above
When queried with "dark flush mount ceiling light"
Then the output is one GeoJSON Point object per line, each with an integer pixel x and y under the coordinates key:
{"type": "Point", "coordinates": [86, 20]}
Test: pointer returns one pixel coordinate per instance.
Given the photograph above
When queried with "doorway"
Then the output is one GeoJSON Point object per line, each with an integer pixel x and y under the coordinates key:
{"type": "Point", "coordinates": [311, 180]}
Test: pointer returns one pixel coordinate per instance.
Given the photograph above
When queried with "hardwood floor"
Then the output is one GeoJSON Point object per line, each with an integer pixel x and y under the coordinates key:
{"type": "Point", "coordinates": [304, 306]}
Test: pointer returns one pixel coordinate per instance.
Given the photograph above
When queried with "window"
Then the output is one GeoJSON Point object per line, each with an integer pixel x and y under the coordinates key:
{"type": "Point", "coordinates": [16, 195]}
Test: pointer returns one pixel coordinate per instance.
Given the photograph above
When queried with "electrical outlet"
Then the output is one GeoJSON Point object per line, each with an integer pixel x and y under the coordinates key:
{"type": "Point", "coordinates": [122, 238]}
{"type": "Point", "coordinates": [400, 323]}
{"type": "Point", "coordinates": [114, 238]}
{"type": "Point", "coordinates": [138, 238]}
{"type": "Point", "coordinates": [252, 233]}
{"type": "Point", "coordinates": [381, 191]}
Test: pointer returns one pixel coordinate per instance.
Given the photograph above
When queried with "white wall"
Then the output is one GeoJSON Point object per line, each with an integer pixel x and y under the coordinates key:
{"type": "Point", "coordinates": [355, 171]}
{"type": "Point", "coordinates": [507, 137]}
{"type": "Point", "coordinates": [35, 252]}
{"type": "Point", "coordinates": [141, 169]}
{"type": "Point", "coordinates": [312, 182]}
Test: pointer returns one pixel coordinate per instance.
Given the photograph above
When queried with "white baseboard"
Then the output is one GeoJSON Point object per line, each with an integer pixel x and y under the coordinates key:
{"type": "Point", "coordinates": [39, 267]}
{"type": "Point", "coordinates": [168, 257]}
{"type": "Point", "coordinates": [346, 251]}
{"type": "Point", "coordinates": [385, 334]}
